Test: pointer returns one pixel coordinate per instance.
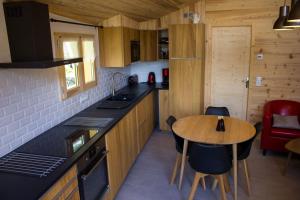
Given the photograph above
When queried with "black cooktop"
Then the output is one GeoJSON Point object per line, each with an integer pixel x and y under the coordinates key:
{"type": "Point", "coordinates": [63, 141]}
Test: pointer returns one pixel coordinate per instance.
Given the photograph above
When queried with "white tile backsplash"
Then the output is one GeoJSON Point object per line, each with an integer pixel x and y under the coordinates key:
{"type": "Point", "coordinates": [142, 69]}
{"type": "Point", "coordinates": [30, 102]}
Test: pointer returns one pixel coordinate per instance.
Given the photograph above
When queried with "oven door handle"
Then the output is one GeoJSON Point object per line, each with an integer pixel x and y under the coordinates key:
{"type": "Point", "coordinates": [85, 176]}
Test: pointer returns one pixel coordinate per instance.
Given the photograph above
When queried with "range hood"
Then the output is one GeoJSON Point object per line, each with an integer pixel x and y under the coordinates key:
{"type": "Point", "coordinates": [29, 35]}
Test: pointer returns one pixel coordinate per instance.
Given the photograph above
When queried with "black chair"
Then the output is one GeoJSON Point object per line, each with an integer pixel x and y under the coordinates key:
{"type": "Point", "coordinates": [209, 160]}
{"type": "Point", "coordinates": [243, 151]}
{"type": "Point", "coordinates": [179, 148]}
{"type": "Point", "coordinates": [220, 111]}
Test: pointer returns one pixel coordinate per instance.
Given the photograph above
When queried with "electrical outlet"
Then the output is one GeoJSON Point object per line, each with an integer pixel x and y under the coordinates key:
{"type": "Point", "coordinates": [84, 98]}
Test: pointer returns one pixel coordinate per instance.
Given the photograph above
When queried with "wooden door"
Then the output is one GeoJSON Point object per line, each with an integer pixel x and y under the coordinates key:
{"type": "Point", "coordinates": [186, 87]}
{"type": "Point", "coordinates": [186, 41]}
{"type": "Point", "coordinates": [148, 43]}
{"type": "Point", "coordinates": [230, 68]}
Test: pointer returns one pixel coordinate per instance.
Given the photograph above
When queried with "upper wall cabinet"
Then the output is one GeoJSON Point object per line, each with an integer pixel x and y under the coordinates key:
{"type": "Point", "coordinates": [115, 45]}
{"type": "Point", "coordinates": [186, 40]}
{"type": "Point", "coordinates": [148, 42]}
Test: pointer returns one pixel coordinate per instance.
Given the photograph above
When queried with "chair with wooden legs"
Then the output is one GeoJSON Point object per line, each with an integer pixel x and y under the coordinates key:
{"type": "Point", "coordinates": [179, 148]}
{"type": "Point", "coordinates": [209, 160]}
{"type": "Point", "coordinates": [243, 151]}
{"type": "Point", "coordinates": [220, 111]}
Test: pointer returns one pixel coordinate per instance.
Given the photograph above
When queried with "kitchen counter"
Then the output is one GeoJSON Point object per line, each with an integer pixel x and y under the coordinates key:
{"type": "Point", "coordinates": [53, 143]}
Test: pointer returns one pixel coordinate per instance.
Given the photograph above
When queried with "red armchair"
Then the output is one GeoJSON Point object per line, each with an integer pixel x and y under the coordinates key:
{"type": "Point", "coordinates": [275, 138]}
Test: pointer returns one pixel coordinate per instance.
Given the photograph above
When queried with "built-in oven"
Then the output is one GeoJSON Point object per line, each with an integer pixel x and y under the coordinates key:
{"type": "Point", "coordinates": [135, 51]}
{"type": "Point", "coordinates": [92, 166]}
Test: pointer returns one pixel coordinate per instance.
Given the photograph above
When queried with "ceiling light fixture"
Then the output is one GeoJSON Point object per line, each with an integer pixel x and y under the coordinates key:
{"type": "Point", "coordinates": [283, 16]}
{"type": "Point", "coordinates": [295, 12]}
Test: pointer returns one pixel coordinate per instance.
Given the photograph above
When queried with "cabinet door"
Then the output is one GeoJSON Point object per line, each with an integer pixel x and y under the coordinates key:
{"type": "Point", "coordinates": [65, 188]}
{"type": "Point", "coordinates": [114, 163]}
{"type": "Point", "coordinates": [127, 45]}
{"type": "Point", "coordinates": [122, 145]}
{"type": "Point", "coordinates": [148, 42]}
{"type": "Point", "coordinates": [145, 119]}
{"type": "Point", "coordinates": [134, 35]}
{"type": "Point", "coordinates": [186, 87]}
{"type": "Point", "coordinates": [163, 96]}
{"type": "Point", "coordinates": [186, 41]}
{"type": "Point", "coordinates": [150, 114]}
{"type": "Point", "coordinates": [113, 47]}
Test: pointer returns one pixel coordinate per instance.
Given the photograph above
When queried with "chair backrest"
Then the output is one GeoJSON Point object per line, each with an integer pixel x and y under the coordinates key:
{"type": "Point", "coordinates": [209, 159]}
{"type": "Point", "coordinates": [282, 107]}
{"type": "Point", "coordinates": [244, 148]}
{"type": "Point", "coordinates": [179, 140]}
{"type": "Point", "coordinates": [220, 111]}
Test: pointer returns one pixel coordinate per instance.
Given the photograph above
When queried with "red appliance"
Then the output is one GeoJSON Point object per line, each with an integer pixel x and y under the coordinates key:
{"type": "Point", "coordinates": [151, 78]}
{"type": "Point", "coordinates": [165, 76]}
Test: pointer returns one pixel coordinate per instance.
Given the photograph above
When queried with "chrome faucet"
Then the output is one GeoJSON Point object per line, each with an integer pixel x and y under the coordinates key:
{"type": "Point", "coordinates": [113, 88]}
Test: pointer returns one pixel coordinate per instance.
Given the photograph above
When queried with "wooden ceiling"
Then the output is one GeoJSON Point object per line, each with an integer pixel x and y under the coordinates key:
{"type": "Point", "coordinates": [95, 11]}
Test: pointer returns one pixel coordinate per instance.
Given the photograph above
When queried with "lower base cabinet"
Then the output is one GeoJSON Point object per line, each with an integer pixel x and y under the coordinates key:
{"type": "Point", "coordinates": [126, 140]}
{"type": "Point", "coordinates": [163, 99]}
{"type": "Point", "coordinates": [65, 188]}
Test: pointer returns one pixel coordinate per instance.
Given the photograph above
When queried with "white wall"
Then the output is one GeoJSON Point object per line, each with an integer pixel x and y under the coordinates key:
{"type": "Point", "coordinates": [30, 100]}
{"type": "Point", "coordinates": [142, 69]}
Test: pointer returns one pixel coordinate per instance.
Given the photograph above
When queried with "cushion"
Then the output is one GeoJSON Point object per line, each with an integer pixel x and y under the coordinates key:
{"type": "Point", "coordinates": [291, 122]}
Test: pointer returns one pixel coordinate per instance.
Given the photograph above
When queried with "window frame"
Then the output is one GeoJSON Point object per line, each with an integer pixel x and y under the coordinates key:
{"type": "Point", "coordinates": [67, 93]}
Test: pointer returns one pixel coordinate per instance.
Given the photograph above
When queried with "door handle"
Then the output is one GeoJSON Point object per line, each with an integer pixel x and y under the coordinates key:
{"type": "Point", "coordinates": [85, 176]}
{"type": "Point", "coordinates": [246, 81]}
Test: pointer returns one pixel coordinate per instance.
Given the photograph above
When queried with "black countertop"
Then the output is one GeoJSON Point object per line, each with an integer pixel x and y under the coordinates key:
{"type": "Point", "coordinates": [53, 143]}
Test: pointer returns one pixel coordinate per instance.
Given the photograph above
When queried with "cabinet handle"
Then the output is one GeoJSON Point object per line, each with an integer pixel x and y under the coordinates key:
{"type": "Point", "coordinates": [85, 176]}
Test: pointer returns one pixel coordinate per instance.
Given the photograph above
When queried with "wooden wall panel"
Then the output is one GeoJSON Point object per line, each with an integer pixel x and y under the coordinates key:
{"type": "Point", "coordinates": [280, 67]}
{"type": "Point", "coordinates": [120, 20]}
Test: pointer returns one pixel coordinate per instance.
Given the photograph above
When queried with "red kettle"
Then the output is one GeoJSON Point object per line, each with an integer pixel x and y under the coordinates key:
{"type": "Point", "coordinates": [151, 78]}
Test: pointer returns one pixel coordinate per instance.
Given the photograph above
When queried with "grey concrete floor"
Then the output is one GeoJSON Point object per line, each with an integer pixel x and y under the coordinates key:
{"type": "Point", "coordinates": [148, 179]}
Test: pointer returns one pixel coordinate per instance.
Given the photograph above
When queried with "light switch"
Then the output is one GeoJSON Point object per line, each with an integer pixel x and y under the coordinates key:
{"type": "Point", "coordinates": [258, 81]}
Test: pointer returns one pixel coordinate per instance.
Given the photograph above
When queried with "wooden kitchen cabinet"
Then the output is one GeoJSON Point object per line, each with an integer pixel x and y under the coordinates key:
{"type": "Point", "coordinates": [65, 188]}
{"type": "Point", "coordinates": [163, 99]}
{"type": "Point", "coordinates": [114, 163]}
{"type": "Point", "coordinates": [115, 45]}
{"type": "Point", "coordinates": [121, 143]}
{"type": "Point", "coordinates": [186, 85]}
{"type": "Point", "coordinates": [148, 45]}
{"type": "Point", "coordinates": [145, 119]}
{"type": "Point", "coordinates": [186, 41]}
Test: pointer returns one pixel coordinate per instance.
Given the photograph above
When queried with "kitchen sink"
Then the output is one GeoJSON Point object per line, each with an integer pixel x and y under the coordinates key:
{"type": "Point", "coordinates": [119, 101]}
{"type": "Point", "coordinates": [122, 97]}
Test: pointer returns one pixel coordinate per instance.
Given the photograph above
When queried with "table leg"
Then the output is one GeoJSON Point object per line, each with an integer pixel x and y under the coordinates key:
{"type": "Point", "coordinates": [287, 162]}
{"type": "Point", "coordinates": [234, 150]}
{"type": "Point", "coordinates": [185, 146]}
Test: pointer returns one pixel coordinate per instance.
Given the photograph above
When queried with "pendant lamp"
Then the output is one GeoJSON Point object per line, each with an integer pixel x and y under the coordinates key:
{"type": "Point", "coordinates": [283, 15]}
{"type": "Point", "coordinates": [294, 15]}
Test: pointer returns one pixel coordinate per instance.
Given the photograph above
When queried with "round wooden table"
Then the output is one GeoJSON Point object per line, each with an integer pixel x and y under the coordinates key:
{"type": "Point", "coordinates": [202, 129]}
{"type": "Point", "coordinates": [293, 146]}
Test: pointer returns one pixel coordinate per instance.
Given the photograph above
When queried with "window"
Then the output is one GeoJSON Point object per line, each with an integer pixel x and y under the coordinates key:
{"type": "Point", "coordinates": [76, 77]}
